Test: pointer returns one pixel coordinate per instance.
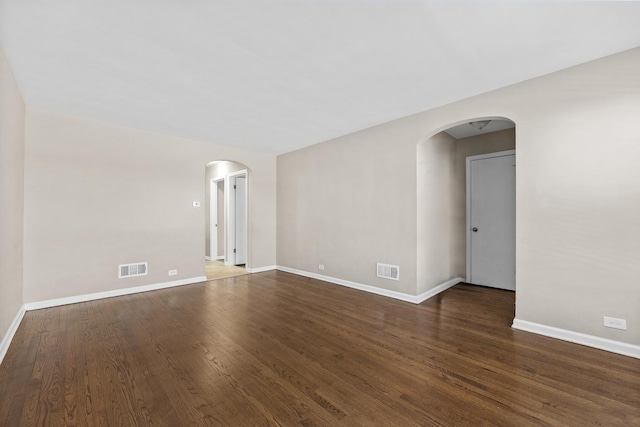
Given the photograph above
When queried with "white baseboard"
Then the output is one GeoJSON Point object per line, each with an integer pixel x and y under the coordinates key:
{"type": "Point", "coordinates": [440, 288]}
{"type": "Point", "coordinates": [6, 341]}
{"type": "Point", "coordinates": [261, 269]}
{"type": "Point", "coordinates": [578, 338]}
{"type": "Point", "coordinates": [415, 299]}
{"type": "Point", "coordinates": [8, 337]}
{"type": "Point", "coordinates": [110, 294]}
{"type": "Point", "coordinates": [220, 258]}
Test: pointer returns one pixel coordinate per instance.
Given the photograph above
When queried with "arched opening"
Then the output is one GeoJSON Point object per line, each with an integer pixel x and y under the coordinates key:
{"type": "Point", "coordinates": [445, 234]}
{"type": "Point", "coordinates": [227, 219]}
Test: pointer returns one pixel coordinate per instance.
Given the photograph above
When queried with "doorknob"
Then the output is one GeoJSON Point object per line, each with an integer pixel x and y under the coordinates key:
{"type": "Point", "coordinates": [474, 229]}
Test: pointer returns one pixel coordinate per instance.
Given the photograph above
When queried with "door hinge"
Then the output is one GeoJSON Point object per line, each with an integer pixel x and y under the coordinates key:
{"type": "Point", "coordinates": [234, 186]}
{"type": "Point", "coordinates": [234, 251]}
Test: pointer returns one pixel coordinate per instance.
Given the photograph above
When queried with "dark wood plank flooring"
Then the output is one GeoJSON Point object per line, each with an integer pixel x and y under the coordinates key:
{"type": "Point", "coordinates": [278, 349]}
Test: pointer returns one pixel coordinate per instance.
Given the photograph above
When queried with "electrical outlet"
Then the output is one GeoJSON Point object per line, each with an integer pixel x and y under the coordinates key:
{"type": "Point", "coordinates": [320, 266]}
{"type": "Point", "coordinates": [612, 322]}
{"type": "Point", "coordinates": [173, 272]}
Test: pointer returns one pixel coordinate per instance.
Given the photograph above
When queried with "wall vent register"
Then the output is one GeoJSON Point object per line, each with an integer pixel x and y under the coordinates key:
{"type": "Point", "coordinates": [132, 270]}
{"type": "Point", "coordinates": [388, 271]}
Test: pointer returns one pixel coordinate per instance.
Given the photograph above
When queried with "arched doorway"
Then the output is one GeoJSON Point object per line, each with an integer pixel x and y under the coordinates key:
{"type": "Point", "coordinates": [227, 219]}
{"type": "Point", "coordinates": [442, 195]}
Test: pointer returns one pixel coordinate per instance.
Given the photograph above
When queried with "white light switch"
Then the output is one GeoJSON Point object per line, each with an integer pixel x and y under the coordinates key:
{"type": "Point", "coordinates": [196, 204]}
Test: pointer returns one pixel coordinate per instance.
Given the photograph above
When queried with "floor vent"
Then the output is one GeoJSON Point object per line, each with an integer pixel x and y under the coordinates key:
{"type": "Point", "coordinates": [388, 271]}
{"type": "Point", "coordinates": [131, 270]}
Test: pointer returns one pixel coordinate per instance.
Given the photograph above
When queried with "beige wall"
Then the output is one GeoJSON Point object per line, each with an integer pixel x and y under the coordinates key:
{"type": "Point", "coordinates": [436, 167]}
{"type": "Point", "coordinates": [351, 201]}
{"type": "Point", "coordinates": [98, 195]}
{"type": "Point", "coordinates": [343, 204]}
{"type": "Point", "coordinates": [12, 129]}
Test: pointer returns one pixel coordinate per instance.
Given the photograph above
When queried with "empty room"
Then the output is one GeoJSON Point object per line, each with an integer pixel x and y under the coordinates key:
{"type": "Point", "coordinates": [297, 212]}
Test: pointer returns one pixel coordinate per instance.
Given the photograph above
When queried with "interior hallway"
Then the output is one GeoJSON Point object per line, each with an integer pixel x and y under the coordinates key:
{"type": "Point", "coordinates": [217, 270]}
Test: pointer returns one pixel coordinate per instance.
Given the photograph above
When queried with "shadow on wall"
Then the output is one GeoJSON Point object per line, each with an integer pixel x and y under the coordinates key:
{"type": "Point", "coordinates": [441, 195]}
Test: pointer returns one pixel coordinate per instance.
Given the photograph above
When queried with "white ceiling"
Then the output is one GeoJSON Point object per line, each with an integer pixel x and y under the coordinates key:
{"type": "Point", "coordinates": [274, 76]}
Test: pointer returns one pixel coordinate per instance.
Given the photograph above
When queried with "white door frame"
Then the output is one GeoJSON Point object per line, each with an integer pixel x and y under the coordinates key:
{"type": "Point", "coordinates": [213, 219]}
{"type": "Point", "coordinates": [468, 195]}
{"type": "Point", "coordinates": [229, 213]}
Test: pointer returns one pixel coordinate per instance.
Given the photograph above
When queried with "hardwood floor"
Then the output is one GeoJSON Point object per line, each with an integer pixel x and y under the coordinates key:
{"type": "Point", "coordinates": [278, 349]}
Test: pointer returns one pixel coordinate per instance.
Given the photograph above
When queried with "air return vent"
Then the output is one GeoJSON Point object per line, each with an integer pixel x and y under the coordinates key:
{"type": "Point", "coordinates": [131, 270]}
{"type": "Point", "coordinates": [387, 271]}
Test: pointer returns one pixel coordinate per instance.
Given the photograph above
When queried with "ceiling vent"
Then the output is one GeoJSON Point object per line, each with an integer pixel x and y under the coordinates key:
{"type": "Point", "coordinates": [132, 270]}
{"type": "Point", "coordinates": [388, 271]}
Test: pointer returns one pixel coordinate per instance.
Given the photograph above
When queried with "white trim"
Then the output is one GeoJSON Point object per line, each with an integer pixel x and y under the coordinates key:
{"type": "Point", "coordinates": [8, 337]}
{"type": "Point", "coordinates": [440, 288]}
{"type": "Point", "coordinates": [6, 341]}
{"type": "Point", "coordinates": [367, 288]}
{"type": "Point", "coordinates": [238, 173]}
{"type": "Point", "coordinates": [415, 299]}
{"type": "Point", "coordinates": [261, 269]}
{"type": "Point", "coordinates": [613, 346]}
{"type": "Point", "coordinates": [220, 257]}
{"type": "Point", "coordinates": [491, 155]}
{"type": "Point", "coordinates": [110, 294]}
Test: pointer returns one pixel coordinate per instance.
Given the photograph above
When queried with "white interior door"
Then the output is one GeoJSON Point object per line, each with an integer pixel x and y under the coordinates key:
{"type": "Point", "coordinates": [213, 220]}
{"type": "Point", "coordinates": [216, 231]}
{"type": "Point", "coordinates": [491, 220]}
{"type": "Point", "coordinates": [241, 220]}
{"type": "Point", "coordinates": [236, 219]}
{"type": "Point", "coordinates": [230, 221]}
